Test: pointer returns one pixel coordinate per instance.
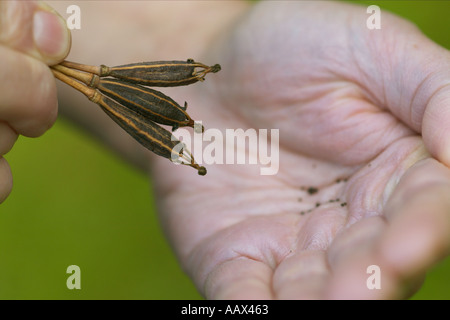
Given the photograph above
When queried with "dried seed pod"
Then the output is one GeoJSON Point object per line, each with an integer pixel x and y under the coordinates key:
{"type": "Point", "coordinates": [153, 74]}
{"type": "Point", "coordinates": [150, 103]}
{"type": "Point", "coordinates": [145, 131]}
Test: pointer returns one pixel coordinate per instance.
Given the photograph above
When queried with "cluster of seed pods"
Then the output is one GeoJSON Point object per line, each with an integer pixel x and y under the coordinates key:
{"type": "Point", "coordinates": [123, 94]}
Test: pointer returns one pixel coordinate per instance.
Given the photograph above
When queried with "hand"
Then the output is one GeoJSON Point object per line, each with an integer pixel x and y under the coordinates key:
{"type": "Point", "coordinates": [351, 104]}
{"type": "Point", "coordinates": [357, 111]}
{"type": "Point", "coordinates": [32, 36]}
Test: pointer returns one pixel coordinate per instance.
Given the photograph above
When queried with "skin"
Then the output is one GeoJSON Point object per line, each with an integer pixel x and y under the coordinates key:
{"type": "Point", "coordinates": [25, 52]}
{"type": "Point", "coordinates": [367, 108]}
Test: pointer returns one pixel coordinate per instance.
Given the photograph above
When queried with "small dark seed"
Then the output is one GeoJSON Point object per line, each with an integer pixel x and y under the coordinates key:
{"type": "Point", "coordinates": [312, 190]}
{"type": "Point", "coordinates": [343, 204]}
{"type": "Point", "coordinates": [317, 204]}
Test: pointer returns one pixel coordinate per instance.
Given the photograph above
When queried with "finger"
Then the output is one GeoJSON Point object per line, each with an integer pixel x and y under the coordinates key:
{"type": "Point", "coordinates": [419, 221]}
{"type": "Point", "coordinates": [240, 279]}
{"type": "Point", "coordinates": [420, 99]}
{"type": "Point", "coordinates": [301, 276]}
{"type": "Point", "coordinates": [5, 180]}
{"type": "Point", "coordinates": [435, 128]}
{"type": "Point", "coordinates": [35, 29]}
{"type": "Point", "coordinates": [28, 100]}
{"type": "Point", "coordinates": [7, 138]}
{"type": "Point", "coordinates": [357, 238]}
{"type": "Point", "coordinates": [410, 76]}
{"type": "Point", "coordinates": [414, 237]}
{"type": "Point", "coordinates": [350, 256]}
{"type": "Point", "coordinates": [363, 275]}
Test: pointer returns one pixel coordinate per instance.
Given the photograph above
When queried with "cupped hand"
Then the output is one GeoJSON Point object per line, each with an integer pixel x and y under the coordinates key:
{"type": "Point", "coordinates": [32, 36]}
{"type": "Point", "coordinates": [363, 119]}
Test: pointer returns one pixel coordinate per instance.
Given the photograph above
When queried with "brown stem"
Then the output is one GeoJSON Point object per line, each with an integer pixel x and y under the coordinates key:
{"type": "Point", "coordinates": [89, 79]}
{"type": "Point", "coordinates": [83, 67]}
{"type": "Point", "coordinates": [90, 93]}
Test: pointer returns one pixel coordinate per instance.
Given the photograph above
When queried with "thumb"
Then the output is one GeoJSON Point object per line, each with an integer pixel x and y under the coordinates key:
{"type": "Point", "coordinates": [416, 82]}
{"type": "Point", "coordinates": [35, 29]}
{"type": "Point", "coordinates": [436, 115]}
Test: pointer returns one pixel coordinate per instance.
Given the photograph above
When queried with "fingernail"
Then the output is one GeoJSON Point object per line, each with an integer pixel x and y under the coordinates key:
{"type": "Point", "coordinates": [51, 36]}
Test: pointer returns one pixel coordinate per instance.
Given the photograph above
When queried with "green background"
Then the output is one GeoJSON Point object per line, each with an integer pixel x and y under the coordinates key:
{"type": "Point", "coordinates": [74, 202]}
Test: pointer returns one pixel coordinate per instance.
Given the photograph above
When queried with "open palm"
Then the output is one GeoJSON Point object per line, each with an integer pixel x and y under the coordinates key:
{"type": "Point", "coordinates": [357, 110]}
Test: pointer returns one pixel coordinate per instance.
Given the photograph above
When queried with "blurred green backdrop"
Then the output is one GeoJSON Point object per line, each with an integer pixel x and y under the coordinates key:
{"type": "Point", "coordinates": [74, 202]}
